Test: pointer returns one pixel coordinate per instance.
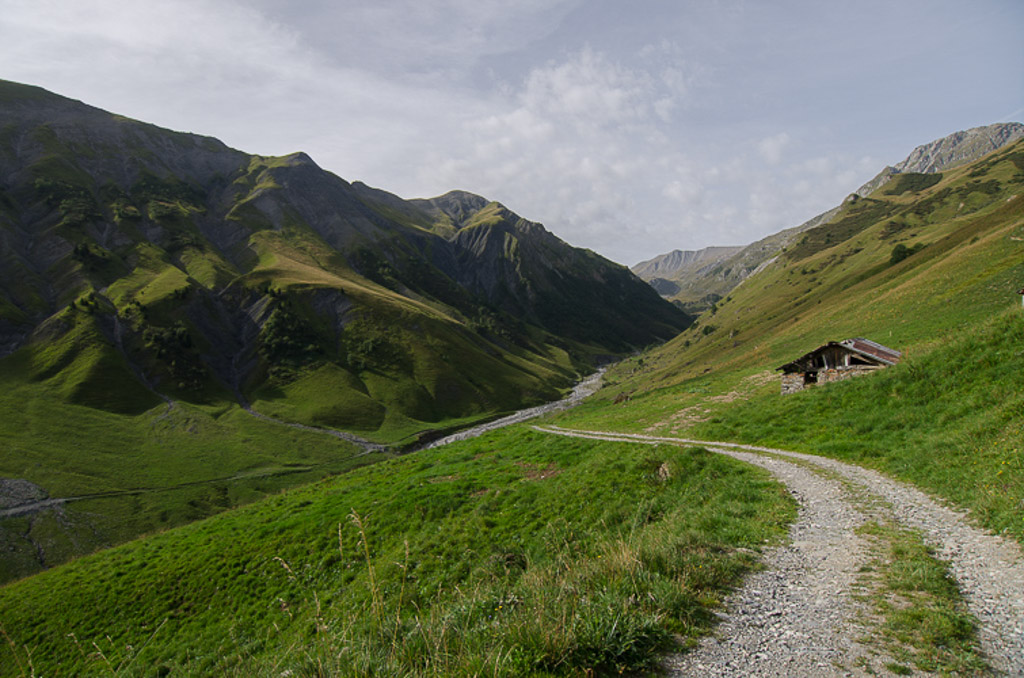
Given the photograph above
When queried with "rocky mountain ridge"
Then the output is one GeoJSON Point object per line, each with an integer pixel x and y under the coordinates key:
{"type": "Point", "coordinates": [696, 287]}
{"type": "Point", "coordinates": [666, 265]}
{"type": "Point", "coordinates": [948, 152]}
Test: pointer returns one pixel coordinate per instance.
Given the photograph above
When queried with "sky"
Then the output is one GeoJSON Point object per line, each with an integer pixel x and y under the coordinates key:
{"type": "Point", "coordinates": [630, 128]}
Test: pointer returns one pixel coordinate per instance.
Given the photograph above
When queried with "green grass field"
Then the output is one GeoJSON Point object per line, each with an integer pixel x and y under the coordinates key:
{"type": "Point", "coordinates": [159, 469]}
{"type": "Point", "coordinates": [950, 421]}
{"type": "Point", "coordinates": [513, 553]}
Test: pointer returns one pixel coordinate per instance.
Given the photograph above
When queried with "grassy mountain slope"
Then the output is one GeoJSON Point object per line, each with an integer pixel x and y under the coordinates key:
{"type": "Point", "coordinates": [221, 276]}
{"type": "Point", "coordinates": [555, 286]}
{"type": "Point", "coordinates": [698, 287]}
{"type": "Point", "coordinates": [513, 553]}
{"type": "Point", "coordinates": [841, 279]}
{"type": "Point", "coordinates": [131, 475]}
{"type": "Point", "coordinates": [930, 268]}
{"type": "Point", "coordinates": [140, 265]}
{"type": "Point", "coordinates": [950, 420]}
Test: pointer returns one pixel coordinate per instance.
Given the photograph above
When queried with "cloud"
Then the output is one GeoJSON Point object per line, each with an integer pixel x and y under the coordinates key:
{"type": "Point", "coordinates": [594, 145]}
{"type": "Point", "coordinates": [632, 133]}
{"type": "Point", "coordinates": [589, 89]}
{"type": "Point", "coordinates": [182, 35]}
{"type": "Point", "coordinates": [219, 68]}
{"type": "Point", "coordinates": [415, 39]}
{"type": "Point", "coordinates": [182, 61]}
{"type": "Point", "coordinates": [771, 148]}
{"type": "Point", "coordinates": [584, 142]}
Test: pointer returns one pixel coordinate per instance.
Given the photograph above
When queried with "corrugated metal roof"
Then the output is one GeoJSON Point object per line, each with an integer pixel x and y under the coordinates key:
{"type": "Point", "coordinates": [871, 348]}
{"type": "Point", "coordinates": [865, 347]}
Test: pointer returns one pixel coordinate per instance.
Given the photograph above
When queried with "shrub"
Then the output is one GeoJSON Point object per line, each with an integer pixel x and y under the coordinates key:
{"type": "Point", "coordinates": [901, 252]}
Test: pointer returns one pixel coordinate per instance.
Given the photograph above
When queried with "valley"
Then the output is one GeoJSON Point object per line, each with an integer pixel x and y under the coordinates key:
{"type": "Point", "coordinates": [158, 289]}
{"type": "Point", "coordinates": [183, 325]}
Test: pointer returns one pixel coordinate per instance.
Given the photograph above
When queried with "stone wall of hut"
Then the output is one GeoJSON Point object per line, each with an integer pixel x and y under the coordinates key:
{"type": "Point", "coordinates": [838, 374]}
{"type": "Point", "coordinates": [791, 383]}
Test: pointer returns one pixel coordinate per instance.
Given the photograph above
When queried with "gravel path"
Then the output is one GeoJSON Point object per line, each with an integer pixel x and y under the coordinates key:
{"type": "Point", "coordinates": [583, 389]}
{"type": "Point", "coordinates": [795, 618]}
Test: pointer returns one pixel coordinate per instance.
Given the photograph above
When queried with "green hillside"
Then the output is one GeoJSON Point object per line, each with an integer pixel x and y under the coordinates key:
{"type": "Point", "coordinates": [516, 553]}
{"type": "Point", "coordinates": [212, 276]}
{"type": "Point", "coordinates": [697, 280]}
{"type": "Point", "coordinates": [141, 267]}
{"type": "Point", "coordinates": [128, 475]}
{"type": "Point", "coordinates": [929, 268]}
{"type": "Point", "coordinates": [963, 241]}
{"type": "Point", "coordinates": [512, 553]}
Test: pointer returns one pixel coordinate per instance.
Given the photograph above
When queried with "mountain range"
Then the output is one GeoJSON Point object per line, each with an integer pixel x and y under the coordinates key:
{"type": "Point", "coordinates": [695, 280]}
{"type": "Point", "coordinates": [187, 327]}
{"type": "Point", "coordinates": [141, 264]}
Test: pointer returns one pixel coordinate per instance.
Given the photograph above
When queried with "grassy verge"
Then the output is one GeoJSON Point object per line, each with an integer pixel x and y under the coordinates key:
{"type": "Point", "coordinates": [949, 418]}
{"type": "Point", "coordinates": [513, 553]}
{"type": "Point", "coordinates": [919, 617]}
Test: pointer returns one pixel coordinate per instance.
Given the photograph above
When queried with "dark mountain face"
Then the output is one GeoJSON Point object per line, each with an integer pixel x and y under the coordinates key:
{"type": "Point", "coordinates": [532, 274]}
{"type": "Point", "coordinates": [199, 271]}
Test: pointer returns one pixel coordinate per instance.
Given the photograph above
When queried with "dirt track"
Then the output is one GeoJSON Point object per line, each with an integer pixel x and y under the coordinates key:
{"type": "Point", "coordinates": [796, 617]}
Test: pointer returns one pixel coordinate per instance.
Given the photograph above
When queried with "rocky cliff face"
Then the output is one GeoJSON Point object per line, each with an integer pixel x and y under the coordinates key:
{"type": "Point", "coordinates": [522, 269]}
{"type": "Point", "coordinates": [677, 262]}
{"type": "Point", "coordinates": [960, 148]}
{"type": "Point", "coordinates": [951, 151]}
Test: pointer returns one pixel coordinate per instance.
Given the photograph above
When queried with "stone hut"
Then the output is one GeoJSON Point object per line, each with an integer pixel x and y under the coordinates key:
{"type": "Point", "coordinates": [835, 361]}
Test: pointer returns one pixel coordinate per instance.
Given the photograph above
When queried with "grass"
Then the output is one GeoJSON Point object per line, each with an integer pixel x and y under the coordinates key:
{"type": "Point", "coordinates": [921, 619]}
{"type": "Point", "coordinates": [949, 418]}
{"type": "Point", "coordinates": [950, 421]}
{"type": "Point", "coordinates": [911, 182]}
{"type": "Point", "coordinates": [81, 423]}
{"type": "Point", "coordinates": [392, 374]}
{"type": "Point", "coordinates": [511, 553]}
{"type": "Point", "coordinates": [152, 280]}
{"type": "Point", "coordinates": [154, 470]}
{"type": "Point", "coordinates": [969, 270]}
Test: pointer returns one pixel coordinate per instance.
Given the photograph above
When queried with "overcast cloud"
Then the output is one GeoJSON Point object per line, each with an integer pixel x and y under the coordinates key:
{"type": "Point", "coordinates": [629, 128]}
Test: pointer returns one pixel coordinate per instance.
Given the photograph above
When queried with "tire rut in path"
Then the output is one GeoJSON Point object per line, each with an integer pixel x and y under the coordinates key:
{"type": "Point", "coordinates": [989, 571]}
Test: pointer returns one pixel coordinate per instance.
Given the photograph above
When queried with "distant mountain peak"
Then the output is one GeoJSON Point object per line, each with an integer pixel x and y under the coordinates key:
{"type": "Point", "coordinates": [958, 148]}
{"type": "Point", "coordinates": [692, 278]}
{"type": "Point", "coordinates": [297, 158]}
{"type": "Point", "coordinates": [670, 264]}
{"type": "Point", "coordinates": [459, 206]}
